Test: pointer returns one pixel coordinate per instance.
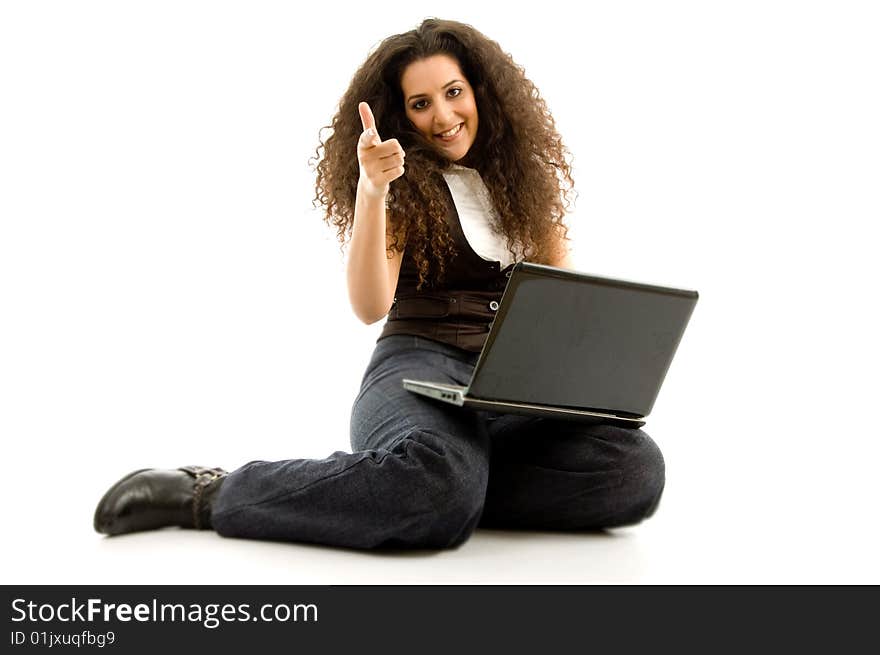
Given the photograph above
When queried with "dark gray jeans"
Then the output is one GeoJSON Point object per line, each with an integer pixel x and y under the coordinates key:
{"type": "Point", "coordinates": [425, 475]}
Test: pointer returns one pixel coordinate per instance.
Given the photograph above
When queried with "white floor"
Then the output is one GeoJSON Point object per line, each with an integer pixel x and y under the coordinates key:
{"type": "Point", "coordinates": [697, 536]}
{"type": "Point", "coordinates": [662, 552]}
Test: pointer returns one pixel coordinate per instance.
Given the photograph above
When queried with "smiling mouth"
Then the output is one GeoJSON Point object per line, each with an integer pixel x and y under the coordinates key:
{"type": "Point", "coordinates": [450, 133]}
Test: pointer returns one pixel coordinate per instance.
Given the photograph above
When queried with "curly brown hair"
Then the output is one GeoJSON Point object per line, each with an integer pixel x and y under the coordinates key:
{"type": "Point", "coordinates": [517, 151]}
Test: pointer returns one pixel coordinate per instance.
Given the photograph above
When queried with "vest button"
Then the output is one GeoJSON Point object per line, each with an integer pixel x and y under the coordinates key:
{"type": "Point", "coordinates": [493, 306]}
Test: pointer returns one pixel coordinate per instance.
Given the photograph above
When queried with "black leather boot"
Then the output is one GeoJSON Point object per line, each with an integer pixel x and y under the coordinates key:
{"type": "Point", "coordinates": [148, 499]}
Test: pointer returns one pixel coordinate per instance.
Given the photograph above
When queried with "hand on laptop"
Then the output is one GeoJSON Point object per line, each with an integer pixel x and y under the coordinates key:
{"type": "Point", "coordinates": [380, 161]}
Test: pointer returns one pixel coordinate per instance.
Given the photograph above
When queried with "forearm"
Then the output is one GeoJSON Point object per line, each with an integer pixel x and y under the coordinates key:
{"type": "Point", "coordinates": [367, 275]}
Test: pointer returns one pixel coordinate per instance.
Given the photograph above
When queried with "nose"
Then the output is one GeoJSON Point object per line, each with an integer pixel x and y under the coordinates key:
{"type": "Point", "coordinates": [444, 116]}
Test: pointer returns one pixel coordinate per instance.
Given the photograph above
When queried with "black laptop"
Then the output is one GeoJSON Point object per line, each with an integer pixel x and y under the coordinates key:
{"type": "Point", "coordinates": [574, 346]}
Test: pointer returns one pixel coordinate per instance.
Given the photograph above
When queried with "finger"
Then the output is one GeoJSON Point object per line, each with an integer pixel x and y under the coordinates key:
{"type": "Point", "coordinates": [366, 113]}
{"type": "Point", "coordinates": [394, 173]}
{"type": "Point", "coordinates": [391, 175]}
{"type": "Point", "coordinates": [368, 139]}
{"type": "Point", "coordinates": [393, 167]}
{"type": "Point", "coordinates": [389, 148]}
{"type": "Point", "coordinates": [391, 161]}
{"type": "Point", "coordinates": [384, 151]}
{"type": "Point", "coordinates": [367, 119]}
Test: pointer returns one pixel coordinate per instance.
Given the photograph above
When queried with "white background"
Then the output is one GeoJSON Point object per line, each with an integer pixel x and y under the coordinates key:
{"type": "Point", "coordinates": [168, 294]}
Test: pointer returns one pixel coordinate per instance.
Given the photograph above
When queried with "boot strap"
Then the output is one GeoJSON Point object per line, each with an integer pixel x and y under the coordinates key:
{"type": "Point", "coordinates": [203, 477]}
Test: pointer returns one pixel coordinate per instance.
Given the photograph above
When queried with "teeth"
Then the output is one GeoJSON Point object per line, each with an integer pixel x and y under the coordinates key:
{"type": "Point", "coordinates": [453, 131]}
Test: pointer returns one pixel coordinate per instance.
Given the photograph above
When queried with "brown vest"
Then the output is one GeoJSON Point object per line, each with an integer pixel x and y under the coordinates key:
{"type": "Point", "coordinates": [459, 310]}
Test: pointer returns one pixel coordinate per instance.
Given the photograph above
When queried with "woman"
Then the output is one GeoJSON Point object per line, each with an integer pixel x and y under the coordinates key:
{"type": "Point", "coordinates": [443, 169]}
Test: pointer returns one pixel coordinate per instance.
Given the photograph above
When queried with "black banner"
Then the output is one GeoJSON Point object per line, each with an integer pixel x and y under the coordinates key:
{"type": "Point", "coordinates": [455, 619]}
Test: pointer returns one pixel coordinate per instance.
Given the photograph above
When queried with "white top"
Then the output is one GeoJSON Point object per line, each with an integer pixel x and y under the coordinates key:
{"type": "Point", "coordinates": [475, 212]}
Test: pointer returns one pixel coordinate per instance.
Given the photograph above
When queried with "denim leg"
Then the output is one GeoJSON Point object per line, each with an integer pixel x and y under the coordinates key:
{"type": "Point", "coordinates": [564, 475]}
{"type": "Point", "coordinates": [417, 476]}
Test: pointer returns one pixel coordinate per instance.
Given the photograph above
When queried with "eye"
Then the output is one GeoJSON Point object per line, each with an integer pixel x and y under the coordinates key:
{"type": "Point", "coordinates": [454, 92]}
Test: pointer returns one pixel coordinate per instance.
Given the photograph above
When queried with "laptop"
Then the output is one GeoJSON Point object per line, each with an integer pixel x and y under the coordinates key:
{"type": "Point", "coordinates": [573, 346]}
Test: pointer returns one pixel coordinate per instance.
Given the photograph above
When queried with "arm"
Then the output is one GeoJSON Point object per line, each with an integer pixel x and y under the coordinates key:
{"type": "Point", "coordinates": [370, 274]}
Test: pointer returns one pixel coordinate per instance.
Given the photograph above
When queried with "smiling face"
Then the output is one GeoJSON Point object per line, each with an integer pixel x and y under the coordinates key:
{"type": "Point", "coordinates": [440, 104]}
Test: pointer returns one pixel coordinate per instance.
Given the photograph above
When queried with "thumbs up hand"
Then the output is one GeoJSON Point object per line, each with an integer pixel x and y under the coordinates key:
{"type": "Point", "coordinates": [380, 161]}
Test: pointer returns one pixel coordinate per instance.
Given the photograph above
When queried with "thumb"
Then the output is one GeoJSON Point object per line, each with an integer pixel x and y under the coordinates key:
{"type": "Point", "coordinates": [369, 123]}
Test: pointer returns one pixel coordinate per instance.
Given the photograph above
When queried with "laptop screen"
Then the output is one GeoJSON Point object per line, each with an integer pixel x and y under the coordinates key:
{"type": "Point", "coordinates": [571, 340]}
